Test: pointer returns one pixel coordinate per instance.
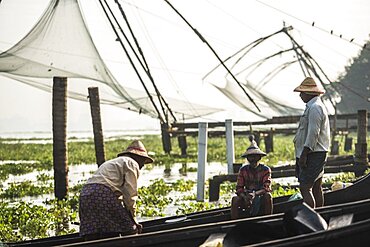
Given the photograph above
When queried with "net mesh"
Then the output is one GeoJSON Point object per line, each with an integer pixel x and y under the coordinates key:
{"type": "Point", "coordinates": [60, 45]}
{"type": "Point", "coordinates": [261, 69]}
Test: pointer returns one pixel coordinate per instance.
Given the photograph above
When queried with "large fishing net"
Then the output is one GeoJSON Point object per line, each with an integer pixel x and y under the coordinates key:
{"type": "Point", "coordinates": [261, 68]}
{"type": "Point", "coordinates": [60, 45]}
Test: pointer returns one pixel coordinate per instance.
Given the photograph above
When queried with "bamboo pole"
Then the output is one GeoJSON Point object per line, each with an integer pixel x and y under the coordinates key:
{"type": "Point", "coordinates": [361, 159]}
{"type": "Point", "coordinates": [166, 138]}
{"type": "Point", "coordinates": [60, 160]}
{"type": "Point", "coordinates": [97, 125]}
{"type": "Point", "coordinates": [202, 159]}
{"type": "Point", "coordinates": [182, 144]}
{"type": "Point", "coordinates": [230, 157]}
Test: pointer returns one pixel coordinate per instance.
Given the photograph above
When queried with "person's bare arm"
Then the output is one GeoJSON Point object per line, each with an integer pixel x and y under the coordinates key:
{"type": "Point", "coordinates": [260, 192]}
{"type": "Point", "coordinates": [302, 162]}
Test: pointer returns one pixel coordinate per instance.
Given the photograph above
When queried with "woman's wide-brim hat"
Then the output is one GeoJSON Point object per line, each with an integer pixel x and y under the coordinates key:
{"type": "Point", "coordinates": [309, 86]}
{"type": "Point", "coordinates": [253, 149]}
{"type": "Point", "coordinates": [137, 148]}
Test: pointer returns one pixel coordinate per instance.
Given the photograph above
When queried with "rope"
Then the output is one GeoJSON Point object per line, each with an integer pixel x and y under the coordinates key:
{"type": "Point", "coordinates": [214, 52]}
{"type": "Point", "coordinates": [131, 62]}
{"type": "Point", "coordinates": [146, 67]}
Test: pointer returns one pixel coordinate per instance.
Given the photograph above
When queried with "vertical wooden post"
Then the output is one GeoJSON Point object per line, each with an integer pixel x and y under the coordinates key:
{"type": "Point", "coordinates": [166, 138]}
{"type": "Point", "coordinates": [334, 148]}
{"type": "Point", "coordinates": [184, 169]}
{"type": "Point", "coordinates": [214, 190]}
{"type": "Point", "coordinates": [60, 160]}
{"type": "Point", "coordinates": [202, 159]}
{"type": "Point", "coordinates": [361, 159]}
{"type": "Point", "coordinates": [230, 157]}
{"type": "Point", "coordinates": [182, 144]}
{"type": "Point", "coordinates": [167, 169]}
{"type": "Point", "coordinates": [269, 141]}
{"type": "Point", "coordinates": [347, 140]}
{"type": "Point", "coordinates": [97, 125]}
{"type": "Point", "coordinates": [348, 143]}
{"type": "Point", "coordinates": [334, 144]}
{"type": "Point", "coordinates": [257, 137]}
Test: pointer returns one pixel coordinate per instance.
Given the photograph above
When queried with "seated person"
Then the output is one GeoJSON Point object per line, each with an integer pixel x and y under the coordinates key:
{"type": "Point", "coordinates": [253, 187]}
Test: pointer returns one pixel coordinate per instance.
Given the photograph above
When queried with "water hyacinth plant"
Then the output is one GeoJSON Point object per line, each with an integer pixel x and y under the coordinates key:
{"type": "Point", "coordinates": [22, 219]}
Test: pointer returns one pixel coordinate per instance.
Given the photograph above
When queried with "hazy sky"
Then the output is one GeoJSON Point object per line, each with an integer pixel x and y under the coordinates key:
{"type": "Point", "coordinates": [170, 45]}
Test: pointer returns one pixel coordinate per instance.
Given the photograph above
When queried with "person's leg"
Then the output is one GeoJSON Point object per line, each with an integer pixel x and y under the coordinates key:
{"type": "Point", "coordinates": [318, 193]}
{"type": "Point", "coordinates": [310, 179]}
{"type": "Point", "coordinates": [236, 203]}
{"type": "Point", "coordinates": [320, 159]}
{"type": "Point", "coordinates": [306, 191]}
{"type": "Point", "coordinates": [267, 204]}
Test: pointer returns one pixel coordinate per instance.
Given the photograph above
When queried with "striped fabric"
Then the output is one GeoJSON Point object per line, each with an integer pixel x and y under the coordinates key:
{"type": "Point", "coordinates": [250, 179]}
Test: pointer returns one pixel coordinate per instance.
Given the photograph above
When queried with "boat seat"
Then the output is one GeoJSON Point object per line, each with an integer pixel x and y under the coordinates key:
{"type": "Point", "coordinates": [303, 219]}
{"type": "Point", "coordinates": [246, 233]}
{"type": "Point", "coordinates": [340, 221]}
{"type": "Point", "coordinates": [214, 240]}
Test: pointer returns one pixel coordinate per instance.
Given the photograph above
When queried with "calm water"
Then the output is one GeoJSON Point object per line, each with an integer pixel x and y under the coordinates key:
{"type": "Point", "coordinates": [80, 173]}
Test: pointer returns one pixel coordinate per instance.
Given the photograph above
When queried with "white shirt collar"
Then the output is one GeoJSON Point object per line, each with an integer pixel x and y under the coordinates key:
{"type": "Point", "coordinates": [312, 101]}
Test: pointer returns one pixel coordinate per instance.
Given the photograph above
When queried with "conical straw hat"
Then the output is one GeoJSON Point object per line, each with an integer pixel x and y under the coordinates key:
{"type": "Point", "coordinates": [137, 147]}
{"type": "Point", "coordinates": [309, 86]}
{"type": "Point", "coordinates": [253, 148]}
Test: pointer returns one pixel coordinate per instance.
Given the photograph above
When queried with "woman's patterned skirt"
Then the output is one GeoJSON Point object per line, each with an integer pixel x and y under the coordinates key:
{"type": "Point", "coordinates": [102, 213]}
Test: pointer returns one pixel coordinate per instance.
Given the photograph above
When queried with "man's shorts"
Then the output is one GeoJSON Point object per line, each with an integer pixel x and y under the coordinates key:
{"type": "Point", "coordinates": [314, 169]}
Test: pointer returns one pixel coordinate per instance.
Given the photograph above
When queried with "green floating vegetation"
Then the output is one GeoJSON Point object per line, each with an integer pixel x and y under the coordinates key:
{"type": "Point", "coordinates": [43, 178]}
{"type": "Point", "coordinates": [21, 221]}
{"type": "Point", "coordinates": [183, 185]}
{"type": "Point", "coordinates": [26, 188]}
{"type": "Point", "coordinates": [24, 220]}
{"type": "Point", "coordinates": [194, 207]}
{"type": "Point", "coordinates": [18, 168]}
{"type": "Point", "coordinates": [152, 199]}
{"type": "Point", "coordinates": [284, 191]}
{"type": "Point", "coordinates": [83, 152]}
{"type": "Point", "coordinates": [43, 186]}
{"type": "Point", "coordinates": [347, 177]}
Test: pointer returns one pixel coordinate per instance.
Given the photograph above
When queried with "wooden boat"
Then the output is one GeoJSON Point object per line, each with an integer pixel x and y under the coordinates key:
{"type": "Point", "coordinates": [356, 234]}
{"type": "Point", "coordinates": [358, 191]}
{"type": "Point", "coordinates": [251, 231]}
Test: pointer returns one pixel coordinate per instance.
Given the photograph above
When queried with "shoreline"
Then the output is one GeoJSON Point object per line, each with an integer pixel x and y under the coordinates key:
{"type": "Point", "coordinates": [108, 134]}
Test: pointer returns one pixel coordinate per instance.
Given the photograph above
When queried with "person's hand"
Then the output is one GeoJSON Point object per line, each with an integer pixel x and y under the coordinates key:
{"type": "Point", "coordinates": [139, 228]}
{"type": "Point", "coordinates": [252, 195]}
{"type": "Point", "coordinates": [243, 195]}
{"type": "Point", "coordinates": [302, 162]}
{"type": "Point", "coordinates": [248, 198]}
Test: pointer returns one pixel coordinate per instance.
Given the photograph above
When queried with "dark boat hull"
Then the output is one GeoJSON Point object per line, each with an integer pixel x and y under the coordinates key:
{"type": "Point", "coordinates": [356, 234]}
{"type": "Point", "coordinates": [358, 191]}
{"type": "Point", "coordinates": [196, 235]}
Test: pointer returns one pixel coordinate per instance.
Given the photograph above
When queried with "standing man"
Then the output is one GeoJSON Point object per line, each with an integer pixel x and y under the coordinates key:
{"type": "Point", "coordinates": [311, 143]}
{"type": "Point", "coordinates": [108, 199]}
{"type": "Point", "coordinates": [253, 186]}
